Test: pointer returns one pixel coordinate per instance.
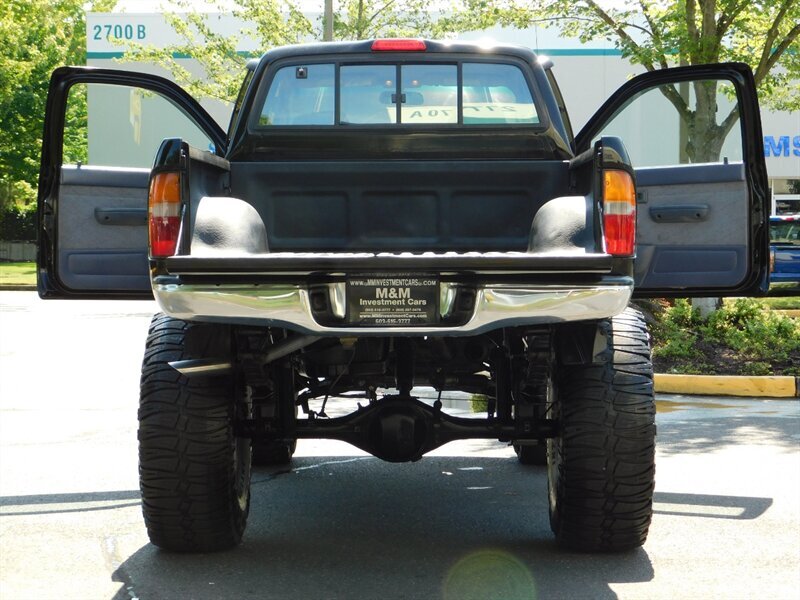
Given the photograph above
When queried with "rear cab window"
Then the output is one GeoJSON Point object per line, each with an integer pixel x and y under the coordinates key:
{"type": "Point", "coordinates": [468, 94]}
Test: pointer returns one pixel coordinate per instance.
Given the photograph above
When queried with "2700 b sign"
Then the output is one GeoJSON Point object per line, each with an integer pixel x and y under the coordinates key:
{"type": "Point", "coordinates": [375, 301]}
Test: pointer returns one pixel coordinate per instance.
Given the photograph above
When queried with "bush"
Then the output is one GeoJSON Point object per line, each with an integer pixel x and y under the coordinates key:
{"type": "Point", "coordinates": [743, 337]}
{"type": "Point", "coordinates": [18, 223]}
{"type": "Point", "coordinates": [480, 403]}
{"type": "Point", "coordinates": [753, 331]}
{"type": "Point", "coordinates": [674, 331]}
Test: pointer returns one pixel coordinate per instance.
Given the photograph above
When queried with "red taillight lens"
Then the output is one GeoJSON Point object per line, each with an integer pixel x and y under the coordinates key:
{"type": "Point", "coordinates": [619, 213]}
{"type": "Point", "coordinates": [398, 45]}
{"type": "Point", "coordinates": [164, 210]}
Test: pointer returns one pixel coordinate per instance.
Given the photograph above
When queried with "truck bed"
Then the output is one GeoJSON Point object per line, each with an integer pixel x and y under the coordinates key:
{"type": "Point", "coordinates": [398, 205]}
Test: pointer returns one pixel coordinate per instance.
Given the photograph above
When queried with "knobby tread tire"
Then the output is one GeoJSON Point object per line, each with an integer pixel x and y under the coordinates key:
{"type": "Point", "coordinates": [601, 471]}
{"type": "Point", "coordinates": [194, 474]}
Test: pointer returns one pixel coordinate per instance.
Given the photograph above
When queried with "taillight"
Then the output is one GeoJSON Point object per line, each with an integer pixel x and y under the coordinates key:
{"type": "Point", "coordinates": [619, 213]}
{"type": "Point", "coordinates": [399, 45]}
{"type": "Point", "coordinates": [164, 211]}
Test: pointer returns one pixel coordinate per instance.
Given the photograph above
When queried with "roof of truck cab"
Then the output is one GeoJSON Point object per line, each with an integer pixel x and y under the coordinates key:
{"type": "Point", "coordinates": [432, 47]}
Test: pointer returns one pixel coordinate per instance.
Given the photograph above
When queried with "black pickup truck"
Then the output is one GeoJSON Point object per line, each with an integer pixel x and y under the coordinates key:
{"type": "Point", "coordinates": [387, 221]}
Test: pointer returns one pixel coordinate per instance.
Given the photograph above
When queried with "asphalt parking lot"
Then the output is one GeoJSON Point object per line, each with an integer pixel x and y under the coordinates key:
{"type": "Point", "coordinates": [465, 522]}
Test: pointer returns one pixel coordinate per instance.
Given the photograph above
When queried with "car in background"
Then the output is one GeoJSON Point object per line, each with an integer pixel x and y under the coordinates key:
{"type": "Point", "coordinates": [785, 251]}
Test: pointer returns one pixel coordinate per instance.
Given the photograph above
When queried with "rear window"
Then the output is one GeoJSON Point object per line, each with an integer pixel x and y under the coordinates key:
{"type": "Point", "coordinates": [408, 94]}
{"type": "Point", "coordinates": [300, 96]}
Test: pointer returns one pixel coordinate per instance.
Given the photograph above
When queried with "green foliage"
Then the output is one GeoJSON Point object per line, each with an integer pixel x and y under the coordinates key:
{"type": "Point", "coordinates": [737, 314]}
{"type": "Point", "coordinates": [271, 23]}
{"type": "Point", "coordinates": [18, 273]}
{"type": "Point", "coordinates": [693, 367]}
{"type": "Point", "coordinates": [744, 333]}
{"type": "Point", "coordinates": [367, 19]}
{"type": "Point", "coordinates": [758, 368]}
{"type": "Point", "coordinates": [677, 343]}
{"type": "Point", "coordinates": [480, 403]}
{"type": "Point", "coordinates": [753, 332]}
{"type": "Point", "coordinates": [781, 302]}
{"type": "Point", "coordinates": [76, 126]}
{"type": "Point", "coordinates": [661, 33]}
{"type": "Point", "coordinates": [18, 223]}
{"type": "Point", "coordinates": [36, 36]}
{"type": "Point", "coordinates": [675, 332]}
{"type": "Point", "coordinates": [16, 193]}
{"type": "Point", "coordinates": [683, 315]}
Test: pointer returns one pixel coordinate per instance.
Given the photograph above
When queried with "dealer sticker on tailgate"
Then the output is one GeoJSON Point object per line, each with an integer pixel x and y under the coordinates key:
{"type": "Point", "coordinates": [396, 301]}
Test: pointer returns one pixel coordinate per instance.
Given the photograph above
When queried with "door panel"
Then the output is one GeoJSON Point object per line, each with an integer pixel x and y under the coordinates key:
{"type": "Point", "coordinates": [693, 135]}
{"type": "Point", "coordinates": [102, 130]}
{"type": "Point", "coordinates": [102, 225]}
{"type": "Point", "coordinates": [692, 225]}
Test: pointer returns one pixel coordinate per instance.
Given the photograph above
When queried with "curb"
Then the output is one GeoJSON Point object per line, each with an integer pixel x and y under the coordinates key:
{"type": "Point", "coordinates": [728, 385]}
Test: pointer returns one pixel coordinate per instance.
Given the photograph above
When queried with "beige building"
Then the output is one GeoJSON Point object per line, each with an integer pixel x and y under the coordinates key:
{"type": "Point", "coordinates": [587, 74]}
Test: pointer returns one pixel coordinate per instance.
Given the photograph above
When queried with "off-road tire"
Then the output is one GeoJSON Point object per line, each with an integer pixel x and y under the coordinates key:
{"type": "Point", "coordinates": [531, 455]}
{"type": "Point", "coordinates": [194, 472]}
{"type": "Point", "coordinates": [273, 453]}
{"type": "Point", "coordinates": [601, 467]}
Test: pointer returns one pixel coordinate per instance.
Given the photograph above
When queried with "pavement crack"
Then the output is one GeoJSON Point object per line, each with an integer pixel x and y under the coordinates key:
{"type": "Point", "coordinates": [272, 476]}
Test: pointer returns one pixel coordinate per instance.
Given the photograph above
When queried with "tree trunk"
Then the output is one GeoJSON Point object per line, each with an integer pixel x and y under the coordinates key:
{"type": "Point", "coordinates": [705, 136]}
{"type": "Point", "coordinates": [706, 306]}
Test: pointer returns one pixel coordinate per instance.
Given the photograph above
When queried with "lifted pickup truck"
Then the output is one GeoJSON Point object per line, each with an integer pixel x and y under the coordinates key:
{"type": "Point", "coordinates": [390, 219]}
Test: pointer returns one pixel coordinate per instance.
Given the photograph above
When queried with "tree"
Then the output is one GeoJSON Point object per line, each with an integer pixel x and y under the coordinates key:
{"type": "Point", "coordinates": [661, 33]}
{"type": "Point", "coordinates": [270, 23]}
{"type": "Point", "coordinates": [36, 36]}
{"type": "Point", "coordinates": [368, 19]}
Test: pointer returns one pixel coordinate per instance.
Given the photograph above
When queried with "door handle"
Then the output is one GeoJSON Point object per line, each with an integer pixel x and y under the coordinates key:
{"type": "Point", "coordinates": [686, 213]}
{"type": "Point", "coordinates": [121, 216]}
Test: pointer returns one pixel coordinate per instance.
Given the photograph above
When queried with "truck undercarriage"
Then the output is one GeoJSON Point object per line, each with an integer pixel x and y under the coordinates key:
{"type": "Point", "coordinates": [377, 377]}
{"type": "Point", "coordinates": [217, 398]}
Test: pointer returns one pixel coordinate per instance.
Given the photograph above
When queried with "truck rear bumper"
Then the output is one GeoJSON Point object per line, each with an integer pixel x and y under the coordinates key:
{"type": "Point", "coordinates": [290, 306]}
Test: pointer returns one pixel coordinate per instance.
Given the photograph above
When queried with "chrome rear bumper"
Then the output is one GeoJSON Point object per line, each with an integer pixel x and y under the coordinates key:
{"type": "Point", "coordinates": [288, 306]}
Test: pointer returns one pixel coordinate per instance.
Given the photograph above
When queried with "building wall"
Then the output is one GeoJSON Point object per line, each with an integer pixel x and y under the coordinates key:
{"type": "Point", "coordinates": [587, 75]}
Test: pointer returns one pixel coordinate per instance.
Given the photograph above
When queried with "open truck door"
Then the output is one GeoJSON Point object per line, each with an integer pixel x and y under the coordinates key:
{"type": "Point", "coordinates": [693, 135]}
{"type": "Point", "coordinates": [94, 177]}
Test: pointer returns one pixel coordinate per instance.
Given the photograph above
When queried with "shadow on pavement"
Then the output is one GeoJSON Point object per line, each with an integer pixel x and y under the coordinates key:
{"type": "Point", "coordinates": [446, 527]}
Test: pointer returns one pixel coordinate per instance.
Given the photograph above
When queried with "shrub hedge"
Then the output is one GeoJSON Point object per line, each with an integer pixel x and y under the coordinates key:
{"type": "Point", "coordinates": [744, 337]}
{"type": "Point", "coordinates": [18, 223]}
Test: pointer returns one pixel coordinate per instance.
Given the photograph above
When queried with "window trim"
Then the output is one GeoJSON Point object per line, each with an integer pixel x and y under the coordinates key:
{"type": "Point", "coordinates": [256, 129]}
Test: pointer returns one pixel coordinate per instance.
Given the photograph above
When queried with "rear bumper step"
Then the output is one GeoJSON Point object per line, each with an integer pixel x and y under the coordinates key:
{"type": "Point", "coordinates": [291, 306]}
{"type": "Point", "coordinates": [309, 263]}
